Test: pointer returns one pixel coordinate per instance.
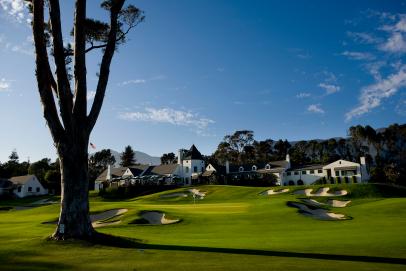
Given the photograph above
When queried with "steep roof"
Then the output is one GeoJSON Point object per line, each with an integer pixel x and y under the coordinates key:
{"type": "Point", "coordinates": [138, 170]}
{"type": "Point", "coordinates": [193, 154]}
{"type": "Point", "coordinates": [115, 172]}
{"type": "Point", "coordinates": [161, 169]}
{"type": "Point", "coordinates": [21, 180]}
{"type": "Point", "coordinates": [281, 163]}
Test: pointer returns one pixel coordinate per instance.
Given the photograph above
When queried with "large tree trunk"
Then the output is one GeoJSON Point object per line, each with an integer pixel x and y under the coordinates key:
{"type": "Point", "coordinates": [74, 220]}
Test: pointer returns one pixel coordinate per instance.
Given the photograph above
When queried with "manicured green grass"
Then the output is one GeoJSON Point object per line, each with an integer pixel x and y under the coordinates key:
{"type": "Point", "coordinates": [232, 228]}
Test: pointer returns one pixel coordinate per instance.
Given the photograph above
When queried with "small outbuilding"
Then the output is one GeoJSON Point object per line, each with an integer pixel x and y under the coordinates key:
{"type": "Point", "coordinates": [27, 185]}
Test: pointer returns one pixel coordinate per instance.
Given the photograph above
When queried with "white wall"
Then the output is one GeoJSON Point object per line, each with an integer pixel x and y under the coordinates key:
{"type": "Point", "coordinates": [34, 184]}
{"type": "Point", "coordinates": [188, 169]}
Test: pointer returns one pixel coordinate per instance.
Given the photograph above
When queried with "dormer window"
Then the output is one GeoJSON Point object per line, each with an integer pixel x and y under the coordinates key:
{"type": "Point", "coordinates": [241, 169]}
{"type": "Point", "coordinates": [254, 168]}
{"type": "Point", "coordinates": [268, 167]}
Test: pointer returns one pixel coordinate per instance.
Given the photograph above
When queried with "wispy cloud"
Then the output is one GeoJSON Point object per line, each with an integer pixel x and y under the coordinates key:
{"type": "Point", "coordinates": [302, 95]}
{"type": "Point", "coordinates": [372, 95]}
{"type": "Point", "coordinates": [171, 116]}
{"type": "Point", "coordinates": [24, 47]}
{"type": "Point", "coordinates": [363, 37]}
{"type": "Point", "coordinates": [329, 88]}
{"type": "Point", "coordinates": [315, 108]}
{"type": "Point", "coordinates": [16, 10]}
{"type": "Point", "coordinates": [90, 95]}
{"type": "Point", "coordinates": [139, 81]}
{"type": "Point", "coordinates": [300, 53]}
{"type": "Point", "coordinates": [4, 85]}
{"type": "Point", "coordinates": [395, 44]}
{"type": "Point", "coordinates": [358, 55]}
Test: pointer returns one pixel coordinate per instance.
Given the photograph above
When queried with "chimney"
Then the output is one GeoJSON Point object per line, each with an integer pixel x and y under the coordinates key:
{"type": "Point", "coordinates": [180, 157]}
{"type": "Point", "coordinates": [108, 176]}
{"type": "Point", "coordinates": [227, 167]}
{"type": "Point", "coordinates": [288, 160]}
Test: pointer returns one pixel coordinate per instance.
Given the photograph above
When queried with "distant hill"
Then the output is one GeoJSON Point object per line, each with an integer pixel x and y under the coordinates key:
{"type": "Point", "coordinates": [141, 157]}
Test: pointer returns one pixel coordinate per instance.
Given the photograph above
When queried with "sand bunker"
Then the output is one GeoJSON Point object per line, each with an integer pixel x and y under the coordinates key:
{"type": "Point", "coordinates": [332, 203]}
{"type": "Point", "coordinates": [272, 192]}
{"type": "Point", "coordinates": [322, 192]}
{"type": "Point", "coordinates": [174, 195]}
{"type": "Point", "coordinates": [320, 214]}
{"type": "Point", "coordinates": [338, 203]}
{"type": "Point", "coordinates": [157, 218]}
{"type": "Point", "coordinates": [97, 219]}
{"type": "Point", "coordinates": [197, 193]}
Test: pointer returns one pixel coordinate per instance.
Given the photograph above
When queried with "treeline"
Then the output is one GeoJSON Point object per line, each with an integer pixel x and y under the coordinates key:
{"type": "Point", "coordinates": [384, 149]}
{"type": "Point", "coordinates": [47, 172]}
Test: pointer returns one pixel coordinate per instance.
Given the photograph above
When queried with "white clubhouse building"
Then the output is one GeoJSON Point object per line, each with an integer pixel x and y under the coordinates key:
{"type": "Point", "coordinates": [191, 169]}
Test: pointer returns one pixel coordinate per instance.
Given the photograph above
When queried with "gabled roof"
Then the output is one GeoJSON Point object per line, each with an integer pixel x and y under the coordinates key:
{"type": "Point", "coordinates": [21, 180]}
{"type": "Point", "coordinates": [193, 154]}
{"type": "Point", "coordinates": [138, 170]}
{"type": "Point", "coordinates": [115, 172]}
{"type": "Point", "coordinates": [161, 169]}
{"type": "Point", "coordinates": [281, 163]}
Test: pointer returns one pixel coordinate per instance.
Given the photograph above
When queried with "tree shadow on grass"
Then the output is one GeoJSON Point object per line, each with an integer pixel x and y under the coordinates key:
{"type": "Point", "coordinates": [123, 242]}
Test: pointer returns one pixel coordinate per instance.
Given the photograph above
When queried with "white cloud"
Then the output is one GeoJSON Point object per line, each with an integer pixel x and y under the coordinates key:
{"type": "Point", "coordinates": [358, 55]}
{"type": "Point", "coordinates": [315, 108]}
{"type": "Point", "coordinates": [24, 47]}
{"type": "Point", "coordinates": [372, 95]}
{"type": "Point", "coordinates": [395, 44]}
{"type": "Point", "coordinates": [171, 116]}
{"type": "Point", "coordinates": [135, 81]}
{"type": "Point", "coordinates": [329, 88]}
{"type": "Point", "coordinates": [90, 95]}
{"type": "Point", "coordinates": [4, 85]}
{"type": "Point", "coordinates": [303, 95]}
{"type": "Point", "coordinates": [363, 37]}
{"type": "Point", "coordinates": [15, 9]}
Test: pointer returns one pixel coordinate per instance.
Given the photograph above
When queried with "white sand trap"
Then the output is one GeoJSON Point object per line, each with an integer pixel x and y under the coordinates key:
{"type": "Point", "coordinates": [197, 192]}
{"type": "Point", "coordinates": [157, 218]}
{"type": "Point", "coordinates": [272, 192]}
{"type": "Point", "coordinates": [338, 203]}
{"type": "Point", "coordinates": [331, 202]}
{"type": "Point", "coordinates": [306, 192]}
{"type": "Point", "coordinates": [323, 192]}
{"type": "Point", "coordinates": [96, 223]}
{"type": "Point", "coordinates": [317, 213]}
{"type": "Point", "coordinates": [174, 195]}
{"type": "Point", "coordinates": [313, 202]}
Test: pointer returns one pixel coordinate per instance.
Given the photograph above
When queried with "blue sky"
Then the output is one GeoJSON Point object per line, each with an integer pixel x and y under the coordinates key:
{"type": "Point", "coordinates": [195, 71]}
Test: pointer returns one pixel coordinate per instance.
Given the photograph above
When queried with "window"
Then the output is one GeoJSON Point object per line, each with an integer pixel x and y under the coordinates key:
{"type": "Point", "coordinates": [312, 171]}
{"type": "Point", "coordinates": [288, 173]}
{"type": "Point", "coordinates": [202, 169]}
{"type": "Point", "coordinates": [268, 167]}
{"type": "Point", "coordinates": [254, 168]}
{"type": "Point", "coordinates": [337, 173]}
{"type": "Point", "coordinates": [19, 189]}
{"type": "Point", "coordinates": [296, 173]}
{"type": "Point", "coordinates": [38, 189]}
{"type": "Point", "coordinates": [194, 169]}
{"type": "Point", "coordinates": [29, 189]}
{"type": "Point", "coordinates": [320, 171]}
{"type": "Point", "coordinates": [241, 169]}
{"type": "Point", "coordinates": [187, 169]}
{"type": "Point", "coordinates": [303, 172]}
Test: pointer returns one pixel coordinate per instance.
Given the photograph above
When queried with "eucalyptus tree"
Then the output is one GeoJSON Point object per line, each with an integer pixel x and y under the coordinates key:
{"type": "Point", "coordinates": [64, 95]}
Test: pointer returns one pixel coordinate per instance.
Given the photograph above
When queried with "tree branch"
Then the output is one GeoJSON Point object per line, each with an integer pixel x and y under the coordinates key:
{"type": "Point", "coordinates": [105, 64]}
{"type": "Point", "coordinates": [80, 106]}
{"type": "Point", "coordinates": [42, 73]}
{"type": "Point", "coordinates": [64, 91]}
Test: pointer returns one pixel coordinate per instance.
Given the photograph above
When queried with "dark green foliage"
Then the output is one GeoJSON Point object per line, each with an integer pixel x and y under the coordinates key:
{"type": "Point", "coordinates": [128, 157]}
{"type": "Point", "coordinates": [168, 158]}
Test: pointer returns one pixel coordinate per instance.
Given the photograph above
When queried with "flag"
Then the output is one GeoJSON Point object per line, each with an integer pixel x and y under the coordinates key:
{"type": "Point", "coordinates": [92, 145]}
